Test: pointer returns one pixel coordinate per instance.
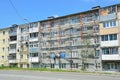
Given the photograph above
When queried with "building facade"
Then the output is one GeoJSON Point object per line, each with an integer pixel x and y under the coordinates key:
{"type": "Point", "coordinates": [70, 42]}
{"type": "Point", "coordinates": [110, 37]}
{"type": "Point", "coordinates": [4, 47]}
{"type": "Point", "coordinates": [88, 40]}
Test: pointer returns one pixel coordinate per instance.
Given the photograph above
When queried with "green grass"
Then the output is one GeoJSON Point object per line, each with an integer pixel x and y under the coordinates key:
{"type": "Point", "coordinates": [37, 69]}
{"type": "Point", "coordinates": [58, 70]}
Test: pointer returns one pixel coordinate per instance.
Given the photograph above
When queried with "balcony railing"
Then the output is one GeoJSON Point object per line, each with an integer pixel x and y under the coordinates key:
{"type": "Point", "coordinates": [12, 33]}
{"type": "Point", "coordinates": [33, 50]}
{"type": "Point", "coordinates": [12, 51]}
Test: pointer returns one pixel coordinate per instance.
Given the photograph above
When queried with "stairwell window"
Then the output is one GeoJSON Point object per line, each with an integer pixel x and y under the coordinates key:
{"type": "Point", "coordinates": [104, 37]}
{"type": "Point", "coordinates": [3, 32]}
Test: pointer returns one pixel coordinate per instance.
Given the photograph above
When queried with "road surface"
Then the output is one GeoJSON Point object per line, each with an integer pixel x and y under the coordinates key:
{"type": "Point", "coordinates": [37, 75]}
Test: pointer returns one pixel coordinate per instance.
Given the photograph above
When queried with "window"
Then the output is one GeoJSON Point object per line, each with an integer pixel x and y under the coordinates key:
{"type": "Point", "coordinates": [27, 56]}
{"type": "Point", "coordinates": [44, 25]}
{"type": "Point", "coordinates": [21, 56]}
{"type": "Point", "coordinates": [52, 33]}
{"type": "Point", "coordinates": [97, 54]}
{"type": "Point", "coordinates": [24, 30]}
{"type": "Point", "coordinates": [53, 24]}
{"type": "Point", "coordinates": [109, 37]}
{"type": "Point", "coordinates": [21, 65]}
{"type": "Point", "coordinates": [34, 24]}
{"type": "Point", "coordinates": [62, 33]}
{"type": "Point", "coordinates": [44, 55]}
{"type": "Point", "coordinates": [44, 43]}
{"type": "Point", "coordinates": [52, 65]}
{"type": "Point", "coordinates": [113, 36]}
{"type": "Point", "coordinates": [62, 65]}
{"type": "Point", "coordinates": [64, 21]}
{"type": "Point", "coordinates": [2, 57]}
{"type": "Point", "coordinates": [104, 37]}
{"type": "Point", "coordinates": [3, 49]}
{"type": "Point", "coordinates": [3, 32]}
{"type": "Point", "coordinates": [90, 17]}
{"type": "Point", "coordinates": [105, 51]}
{"type": "Point", "coordinates": [74, 20]}
{"type": "Point", "coordinates": [84, 29]}
{"type": "Point", "coordinates": [34, 44]}
{"type": "Point", "coordinates": [112, 50]}
{"type": "Point", "coordinates": [34, 35]}
{"type": "Point", "coordinates": [44, 34]}
{"type": "Point", "coordinates": [3, 40]}
{"type": "Point", "coordinates": [8, 48]}
{"type": "Point", "coordinates": [74, 65]}
{"type": "Point", "coordinates": [75, 42]}
{"type": "Point", "coordinates": [109, 24]}
{"type": "Point", "coordinates": [33, 54]}
{"type": "Point", "coordinates": [73, 31]}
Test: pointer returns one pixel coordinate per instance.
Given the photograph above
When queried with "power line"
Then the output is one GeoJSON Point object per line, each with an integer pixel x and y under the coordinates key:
{"type": "Point", "coordinates": [16, 11]}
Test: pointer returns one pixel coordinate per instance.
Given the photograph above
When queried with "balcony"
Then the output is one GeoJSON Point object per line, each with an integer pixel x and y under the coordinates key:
{"type": "Point", "coordinates": [109, 43]}
{"type": "Point", "coordinates": [34, 29]}
{"type": "Point", "coordinates": [34, 50]}
{"type": "Point", "coordinates": [12, 33]}
{"type": "Point", "coordinates": [33, 39]}
{"type": "Point", "coordinates": [12, 42]}
{"type": "Point", "coordinates": [108, 17]}
{"type": "Point", "coordinates": [34, 59]}
{"type": "Point", "coordinates": [12, 51]}
{"type": "Point", "coordinates": [12, 61]}
{"type": "Point", "coordinates": [111, 57]}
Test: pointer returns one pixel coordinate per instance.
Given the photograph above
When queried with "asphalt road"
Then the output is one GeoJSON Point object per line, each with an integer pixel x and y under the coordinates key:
{"type": "Point", "coordinates": [36, 75]}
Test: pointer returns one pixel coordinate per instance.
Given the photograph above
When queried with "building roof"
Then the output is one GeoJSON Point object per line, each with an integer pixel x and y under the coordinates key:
{"type": "Point", "coordinates": [77, 13]}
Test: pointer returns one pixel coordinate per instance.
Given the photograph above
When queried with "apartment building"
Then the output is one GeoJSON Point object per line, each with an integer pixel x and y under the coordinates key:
{"type": "Point", "coordinates": [23, 46]}
{"type": "Point", "coordinates": [110, 37]}
{"type": "Point", "coordinates": [87, 40]}
{"type": "Point", "coordinates": [4, 47]}
{"type": "Point", "coordinates": [72, 41]}
{"type": "Point", "coordinates": [13, 46]}
{"type": "Point", "coordinates": [34, 50]}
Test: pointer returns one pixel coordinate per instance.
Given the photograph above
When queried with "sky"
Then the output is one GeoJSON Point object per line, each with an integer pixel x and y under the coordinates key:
{"type": "Point", "coordinates": [18, 11]}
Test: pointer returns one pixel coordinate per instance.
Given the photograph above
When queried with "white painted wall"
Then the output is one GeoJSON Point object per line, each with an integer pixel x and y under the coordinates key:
{"type": "Point", "coordinates": [34, 59]}
{"type": "Point", "coordinates": [12, 61]}
{"type": "Point", "coordinates": [34, 29]}
{"type": "Point", "coordinates": [109, 43]}
{"type": "Point", "coordinates": [33, 39]}
{"type": "Point", "coordinates": [111, 57]}
{"type": "Point", "coordinates": [12, 42]}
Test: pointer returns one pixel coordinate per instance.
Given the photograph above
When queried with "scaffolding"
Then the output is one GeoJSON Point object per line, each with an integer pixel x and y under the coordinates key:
{"type": "Point", "coordinates": [62, 36]}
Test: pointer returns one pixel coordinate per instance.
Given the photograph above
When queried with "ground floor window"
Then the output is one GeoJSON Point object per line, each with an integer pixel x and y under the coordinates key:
{"type": "Point", "coordinates": [21, 65]}
{"type": "Point", "coordinates": [111, 66]}
{"type": "Point", "coordinates": [74, 65]}
{"type": "Point", "coordinates": [52, 65]}
{"type": "Point", "coordinates": [62, 65]}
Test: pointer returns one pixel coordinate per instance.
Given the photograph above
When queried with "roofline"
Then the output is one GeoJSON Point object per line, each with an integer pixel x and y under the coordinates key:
{"type": "Point", "coordinates": [77, 13]}
{"type": "Point", "coordinates": [4, 28]}
{"type": "Point", "coordinates": [69, 15]}
{"type": "Point", "coordinates": [111, 5]}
